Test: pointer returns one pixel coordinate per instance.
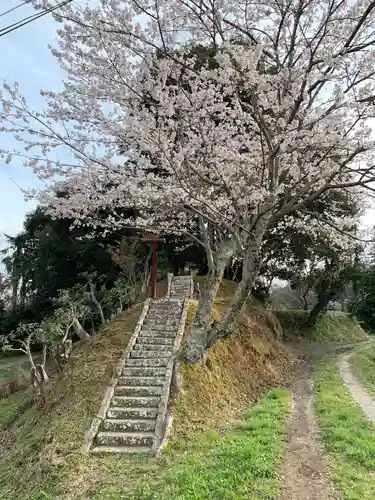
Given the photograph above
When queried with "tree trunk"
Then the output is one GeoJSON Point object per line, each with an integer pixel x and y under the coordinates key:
{"type": "Point", "coordinates": [14, 298]}
{"type": "Point", "coordinates": [197, 340]}
{"type": "Point", "coordinates": [176, 378]}
{"type": "Point", "coordinates": [39, 381]}
{"type": "Point", "coordinates": [250, 270]}
{"type": "Point", "coordinates": [61, 353]}
{"type": "Point", "coordinates": [97, 303]}
{"type": "Point", "coordinates": [146, 273]}
{"type": "Point", "coordinates": [80, 331]}
{"type": "Point", "coordinates": [198, 336]}
{"type": "Point", "coordinates": [342, 303]}
{"type": "Point", "coordinates": [319, 307]}
{"type": "Point", "coordinates": [322, 304]}
{"type": "Point", "coordinates": [39, 377]}
{"type": "Point", "coordinates": [225, 326]}
{"type": "Point", "coordinates": [23, 294]}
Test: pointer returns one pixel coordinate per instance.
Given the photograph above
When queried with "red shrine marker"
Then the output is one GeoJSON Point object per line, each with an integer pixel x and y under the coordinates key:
{"type": "Point", "coordinates": [154, 267]}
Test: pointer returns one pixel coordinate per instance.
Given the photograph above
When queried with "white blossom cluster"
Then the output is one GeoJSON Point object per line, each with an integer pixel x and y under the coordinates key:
{"type": "Point", "coordinates": [277, 115]}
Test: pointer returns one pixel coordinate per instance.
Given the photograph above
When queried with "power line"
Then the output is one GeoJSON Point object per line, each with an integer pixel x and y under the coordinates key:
{"type": "Point", "coordinates": [33, 17]}
{"type": "Point", "coordinates": [21, 21]}
{"type": "Point", "coordinates": [29, 19]}
{"type": "Point", "coordinates": [14, 8]}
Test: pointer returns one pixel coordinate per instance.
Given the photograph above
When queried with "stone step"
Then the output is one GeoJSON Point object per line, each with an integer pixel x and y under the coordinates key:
{"type": "Point", "coordinates": [161, 325]}
{"type": "Point", "coordinates": [117, 425]}
{"type": "Point", "coordinates": [121, 449]}
{"type": "Point", "coordinates": [158, 328]}
{"type": "Point", "coordinates": [165, 319]}
{"type": "Point", "coordinates": [167, 306]}
{"type": "Point", "coordinates": [162, 300]}
{"type": "Point", "coordinates": [140, 381]}
{"type": "Point", "coordinates": [143, 371]}
{"type": "Point", "coordinates": [134, 390]}
{"type": "Point", "coordinates": [153, 347]}
{"type": "Point", "coordinates": [134, 401]}
{"type": "Point", "coordinates": [171, 306]}
{"type": "Point", "coordinates": [170, 328]}
{"type": "Point", "coordinates": [164, 313]}
{"type": "Point", "coordinates": [139, 413]}
{"type": "Point", "coordinates": [109, 438]}
{"type": "Point", "coordinates": [154, 341]}
{"type": "Point", "coordinates": [146, 362]}
{"type": "Point", "coordinates": [166, 302]}
{"type": "Point", "coordinates": [148, 353]}
{"type": "Point", "coordinates": [154, 325]}
{"type": "Point", "coordinates": [152, 333]}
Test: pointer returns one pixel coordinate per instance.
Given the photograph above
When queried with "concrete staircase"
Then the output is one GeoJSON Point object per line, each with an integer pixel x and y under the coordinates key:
{"type": "Point", "coordinates": [181, 287]}
{"type": "Point", "coordinates": [133, 413]}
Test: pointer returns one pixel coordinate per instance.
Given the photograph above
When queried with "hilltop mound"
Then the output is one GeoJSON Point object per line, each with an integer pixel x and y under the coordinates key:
{"type": "Point", "coordinates": [333, 326]}
{"type": "Point", "coordinates": [42, 452]}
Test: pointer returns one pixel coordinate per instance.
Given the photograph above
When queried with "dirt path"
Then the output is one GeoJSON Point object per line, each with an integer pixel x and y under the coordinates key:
{"type": "Point", "coordinates": [304, 470]}
{"type": "Point", "coordinates": [360, 396]}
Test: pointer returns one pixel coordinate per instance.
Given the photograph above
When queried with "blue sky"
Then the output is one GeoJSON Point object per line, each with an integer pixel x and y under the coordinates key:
{"type": "Point", "coordinates": [25, 58]}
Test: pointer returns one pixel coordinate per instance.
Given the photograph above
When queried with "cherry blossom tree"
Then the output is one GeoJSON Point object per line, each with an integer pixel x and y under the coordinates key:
{"type": "Point", "coordinates": [277, 116]}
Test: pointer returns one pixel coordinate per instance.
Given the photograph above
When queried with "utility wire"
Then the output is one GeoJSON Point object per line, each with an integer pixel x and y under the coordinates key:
{"type": "Point", "coordinates": [29, 19]}
{"type": "Point", "coordinates": [14, 8]}
{"type": "Point", "coordinates": [21, 21]}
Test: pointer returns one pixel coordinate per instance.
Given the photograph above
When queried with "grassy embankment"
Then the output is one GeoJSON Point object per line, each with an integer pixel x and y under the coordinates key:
{"type": "Point", "coordinates": [363, 365]}
{"type": "Point", "coordinates": [334, 327]}
{"type": "Point", "coordinates": [220, 440]}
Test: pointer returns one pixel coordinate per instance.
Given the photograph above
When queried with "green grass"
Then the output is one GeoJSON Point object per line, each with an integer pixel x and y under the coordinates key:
{"type": "Point", "coordinates": [332, 327]}
{"type": "Point", "coordinates": [241, 465]}
{"type": "Point", "coordinates": [348, 435]}
{"type": "Point", "coordinates": [41, 452]}
{"type": "Point", "coordinates": [9, 365]}
{"type": "Point", "coordinates": [363, 364]}
{"type": "Point", "coordinates": [12, 407]}
{"type": "Point", "coordinates": [338, 327]}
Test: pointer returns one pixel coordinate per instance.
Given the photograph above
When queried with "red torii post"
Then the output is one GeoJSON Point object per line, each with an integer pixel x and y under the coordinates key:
{"type": "Point", "coordinates": [154, 266]}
